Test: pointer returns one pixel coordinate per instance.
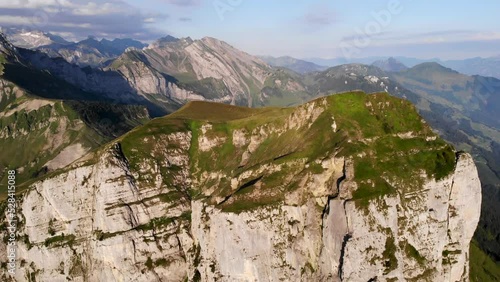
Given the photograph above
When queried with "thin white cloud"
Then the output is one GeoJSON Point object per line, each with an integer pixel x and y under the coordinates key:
{"type": "Point", "coordinates": [403, 38]}
{"type": "Point", "coordinates": [183, 3]}
{"type": "Point", "coordinates": [17, 20]}
{"type": "Point", "coordinates": [73, 25]}
{"type": "Point", "coordinates": [93, 8]}
{"type": "Point", "coordinates": [26, 4]}
{"type": "Point", "coordinates": [114, 18]}
{"type": "Point", "coordinates": [320, 15]}
{"type": "Point", "coordinates": [486, 36]}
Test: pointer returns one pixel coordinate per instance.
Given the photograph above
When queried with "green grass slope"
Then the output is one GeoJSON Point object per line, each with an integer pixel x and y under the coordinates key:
{"type": "Point", "coordinates": [368, 132]}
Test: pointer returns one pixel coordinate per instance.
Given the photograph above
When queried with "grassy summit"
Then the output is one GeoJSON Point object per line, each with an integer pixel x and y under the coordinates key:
{"type": "Point", "coordinates": [214, 112]}
{"type": "Point", "coordinates": [389, 143]}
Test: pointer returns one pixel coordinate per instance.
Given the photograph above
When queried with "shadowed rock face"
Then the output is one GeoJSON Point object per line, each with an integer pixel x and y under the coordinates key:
{"type": "Point", "coordinates": [296, 65]}
{"type": "Point", "coordinates": [39, 135]}
{"type": "Point", "coordinates": [350, 187]}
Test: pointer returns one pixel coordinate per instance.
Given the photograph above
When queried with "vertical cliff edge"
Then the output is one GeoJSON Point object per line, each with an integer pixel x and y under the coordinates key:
{"type": "Point", "coordinates": [350, 187]}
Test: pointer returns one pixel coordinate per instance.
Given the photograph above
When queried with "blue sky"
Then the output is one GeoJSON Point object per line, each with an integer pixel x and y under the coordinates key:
{"type": "Point", "coordinates": [300, 28]}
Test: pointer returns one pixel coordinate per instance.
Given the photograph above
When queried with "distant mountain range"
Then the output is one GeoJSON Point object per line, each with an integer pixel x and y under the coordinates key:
{"type": "Point", "coordinates": [97, 53]}
{"type": "Point", "coordinates": [390, 65]}
{"type": "Point", "coordinates": [407, 61]}
{"type": "Point", "coordinates": [297, 65]}
{"type": "Point", "coordinates": [87, 52]}
{"type": "Point", "coordinates": [474, 66]}
{"type": "Point", "coordinates": [91, 52]}
{"type": "Point", "coordinates": [170, 72]}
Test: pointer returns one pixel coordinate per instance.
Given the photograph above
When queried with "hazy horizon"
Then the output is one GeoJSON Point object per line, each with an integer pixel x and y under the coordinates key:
{"type": "Point", "coordinates": [304, 29]}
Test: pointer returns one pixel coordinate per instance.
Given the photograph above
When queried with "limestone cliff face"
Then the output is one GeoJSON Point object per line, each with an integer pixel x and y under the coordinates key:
{"type": "Point", "coordinates": [211, 58]}
{"type": "Point", "coordinates": [148, 81]}
{"type": "Point", "coordinates": [207, 69]}
{"type": "Point", "coordinates": [342, 243]}
{"type": "Point", "coordinates": [258, 195]}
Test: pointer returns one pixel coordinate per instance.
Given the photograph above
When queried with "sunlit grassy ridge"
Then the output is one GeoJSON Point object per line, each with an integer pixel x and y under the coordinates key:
{"type": "Point", "coordinates": [214, 112]}
{"type": "Point", "coordinates": [388, 141]}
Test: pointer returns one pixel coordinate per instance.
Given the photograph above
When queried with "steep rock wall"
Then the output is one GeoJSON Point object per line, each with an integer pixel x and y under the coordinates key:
{"type": "Point", "coordinates": [155, 206]}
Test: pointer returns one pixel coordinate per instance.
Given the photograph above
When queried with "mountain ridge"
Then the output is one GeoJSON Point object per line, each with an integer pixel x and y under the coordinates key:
{"type": "Point", "coordinates": [246, 201]}
{"type": "Point", "coordinates": [296, 65]}
{"type": "Point", "coordinates": [207, 69]}
{"type": "Point", "coordinates": [90, 51]}
{"type": "Point", "coordinates": [390, 65]}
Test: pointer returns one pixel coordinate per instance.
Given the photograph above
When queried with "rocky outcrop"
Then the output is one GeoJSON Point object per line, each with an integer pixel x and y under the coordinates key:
{"type": "Point", "coordinates": [176, 200]}
{"type": "Point", "coordinates": [390, 242]}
